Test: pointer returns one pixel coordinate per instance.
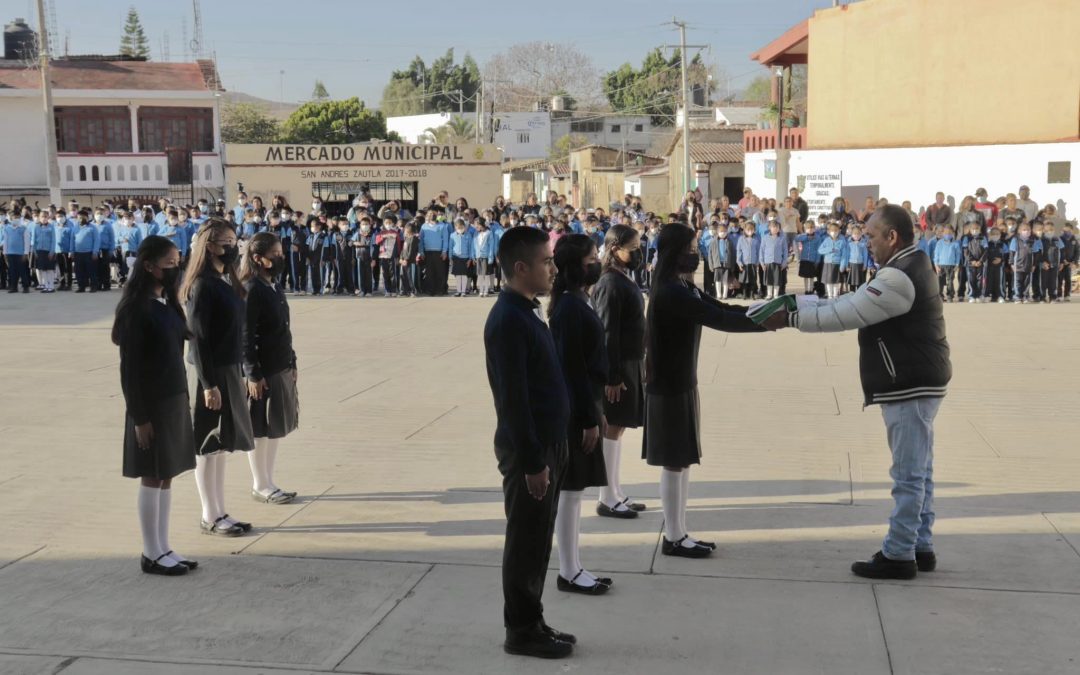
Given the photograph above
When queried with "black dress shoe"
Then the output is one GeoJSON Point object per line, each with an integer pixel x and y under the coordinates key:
{"type": "Point", "coordinates": [634, 506]}
{"type": "Point", "coordinates": [926, 561]}
{"type": "Point", "coordinates": [677, 550]}
{"type": "Point", "coordinates": [880, 567]}
{"type": "Point", "coordinates": [538, 644]}
{"type": "Point", "coordinates": [190, 564]}
{"type": "Point", "coordinates": [246, 527]}
{"type": "Point", "coordinates": [154, 567]}
{"type": "Point", "coordinates": [558, 635]}
{"type": "Point", "coordinates": [706, 544]}
{"type": "Point", "coordinates": [606, 511]}
{"type": "Point", "coordinates": [221, 528]}
{"type": "Point", "coordinates": [568, 586]}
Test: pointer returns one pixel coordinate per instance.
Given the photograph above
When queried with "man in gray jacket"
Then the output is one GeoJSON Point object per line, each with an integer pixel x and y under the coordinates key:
{"type": "Point", "coordinates": [904, 367]}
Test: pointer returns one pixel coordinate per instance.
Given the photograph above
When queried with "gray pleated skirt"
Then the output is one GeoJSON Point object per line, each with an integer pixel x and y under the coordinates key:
{"type": "Point", "coordinates": [277, 414]}
{"type": "Point", "coordinates": [672, 434]}
{"type": "Point", "coordinates": [172, 451]}
{"type": "Point", "coordinates": [226, 429]}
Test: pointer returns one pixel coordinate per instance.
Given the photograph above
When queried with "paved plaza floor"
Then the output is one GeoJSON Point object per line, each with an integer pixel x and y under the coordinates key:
{"type": "Point", "coordinates": [389, 561]}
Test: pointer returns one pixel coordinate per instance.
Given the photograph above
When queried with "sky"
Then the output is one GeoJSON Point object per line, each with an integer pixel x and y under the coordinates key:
{"type": "Point", "coordinates": [354, 46]}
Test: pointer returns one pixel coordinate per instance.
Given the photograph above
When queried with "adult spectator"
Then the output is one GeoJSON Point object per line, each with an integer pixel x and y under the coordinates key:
{"type": "Point", "coordinates": [914, 216]}
{"type": "Point", "coordinates": [1012, 210]}
{"type": "Point", "coordinates": [790, 219]}
{"type": "Point", "coordinates": [747, 193]}
{"type": "Point", "coordinates": [800, 205]}
{"type": "Point", "coordinates": [242, 205]}
{"type": "Point", "coordinates": [938, 213]}
{"type": "Point", "coordinates": [986, 207]}
{"type": "Point", "coordinates": [905, 367]}
{"type": "Point", "coordinates": [1026, 204]}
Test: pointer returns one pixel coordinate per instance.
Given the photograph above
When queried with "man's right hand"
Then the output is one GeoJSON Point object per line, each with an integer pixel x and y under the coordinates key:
{"type": "Point", "coordinates": [538, 483]}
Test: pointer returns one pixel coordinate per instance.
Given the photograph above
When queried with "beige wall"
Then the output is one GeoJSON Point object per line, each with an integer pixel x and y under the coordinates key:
{"type": "Point", "coordinates": [476, 176]}
{"type": "Point", "coordinates": [944, 72]}
{"type": "Point", "coordinates": [654, 194]}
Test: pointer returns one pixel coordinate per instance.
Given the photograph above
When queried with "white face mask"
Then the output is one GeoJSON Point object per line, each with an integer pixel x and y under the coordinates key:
{"type": "Point", "coordinates": [98, 217]}
{"type": "Point", "coordinates": [125, 223]}
{"type": "Point", "coordinates": [365, 229]}
{"type": "Point", "coordinates": [314, 206]}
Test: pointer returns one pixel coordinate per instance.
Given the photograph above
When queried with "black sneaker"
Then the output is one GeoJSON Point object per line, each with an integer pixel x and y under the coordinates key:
{"type": "Point", "coordinates": [538, 644]}
{"type": "Point", "coordinates": [926, 561]}
{"type": "Point", "coordinates": [880, 567]}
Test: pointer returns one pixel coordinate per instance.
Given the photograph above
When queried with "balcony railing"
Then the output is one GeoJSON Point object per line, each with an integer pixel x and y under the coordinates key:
{"type": "Point", "coordinates": [139, 170]}
{"type": "Point", "coordinates": [759, 140]}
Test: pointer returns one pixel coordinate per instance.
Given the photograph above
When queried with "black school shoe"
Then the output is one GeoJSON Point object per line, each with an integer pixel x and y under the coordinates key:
{"type": "Point", "coordinates": [558, 635]}
{"type": "Point", "coordinates": [926, 561]}
{"type": "Point", "coordinates": [677, 550]}
{"type": "Point", "coordinates": [880, 567]}
{"type": "Point", "coordinates": [536, 643]}
{"type": "Point", "coordinates": [606, 511]}
{"type": "Point", "coordinates": [570, 586]}
{"type": "Point", "coordinates": [154, 567]}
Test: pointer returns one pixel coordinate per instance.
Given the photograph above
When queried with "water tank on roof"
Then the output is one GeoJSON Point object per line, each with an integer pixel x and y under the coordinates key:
{"type": "Point", "coordinates": [20, 41]}
{"type": "Point", "coordinates": [558, 103]}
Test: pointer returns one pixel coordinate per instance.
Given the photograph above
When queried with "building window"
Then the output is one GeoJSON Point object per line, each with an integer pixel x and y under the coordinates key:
{"type": "Point", "coordinates": [176, 128]}
{"type": "Point", "coordinates": [523, 137]}
{"type": "Point", "coordinates": [586, 126]}
{"type": "Point", "coordinates": [93, 129]}
{"type": "Point", "coordinates": [1058, 172]}
{"type": "Point", "coordinates": [616, 128]}
{"type": "Point", "coordinates": [639, 128]}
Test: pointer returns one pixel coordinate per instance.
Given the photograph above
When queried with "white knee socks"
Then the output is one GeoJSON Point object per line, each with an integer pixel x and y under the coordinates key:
{"type": "Point", "coordinates": [260, 474]}
{"type": "Point", "coordinates": [148, 522]}
{"type": "Point", "coordinates": [462, 284]}
{"type": "Point", "coordinates": [567, 536]}
{"type": "Point", "coordinates": [219, 485]}
{"type": "Point", "coordinates": [670, 486]}
{"type": "Point", "coordinates": [774, 291]}
{"type": "Point", "coordinates": [206, 482]}
{"type": "Point", "coordinates": [164, 509]}
{"type": "Point", "coordinates": [611, 494]}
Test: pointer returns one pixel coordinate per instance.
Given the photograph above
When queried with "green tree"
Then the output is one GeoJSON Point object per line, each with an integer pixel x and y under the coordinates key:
{"type": "Point", "coordinates": [656, 88]}
{"type": "Point", "coordinates": [319, 93]}
{"type": "Point", "coordinates": [560, 149]}
{"type": "Point", "coordinates": [333, 122]}
{"type": "Point", "coordinates": [248, 123]}
{"type": "Point", "coordinates": [436, 86]}
{"type": "Point", "coordinates": [457, 130]}
{"type": "Point", "coordinates": [134, 42]}
{"type": "Point", "coordinates": [759, 90]}
{"type": "Point", "coordinates": [402, 97]}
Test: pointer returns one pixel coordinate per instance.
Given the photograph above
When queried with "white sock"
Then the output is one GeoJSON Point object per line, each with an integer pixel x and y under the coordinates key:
{"type": "Point", "coordinates": [617, 472]}
{"type": "Point", "coordinates": [719, 290]}
{"type": "Point", "coordinates": [271, 457]}
{"type": "Point", "coordinates": [219, 484]}
{"type": "Point", "coordinates": [148, 524]}
{"type": "Point", "coordinates": [260, 478]}
{"type": "Point", "coordinates": [609, 493]}
{"type": "Point", "coordinates": [164, 508]}
{"type": "Point", "coordinates": [684, 498]}
{"type": "Point", "coordinates": [670, 486]}
{"type": "Point", "coordinates": [204, 480]}
{"type": "Point", "coordinates": [567, 535]}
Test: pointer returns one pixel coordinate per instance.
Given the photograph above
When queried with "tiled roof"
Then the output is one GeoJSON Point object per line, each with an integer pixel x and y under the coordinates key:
{"type": "Point", "coordinates": [525, 165]}
{"type": "Point", "coordinates": [93, 75]}
{"type": "Point", "coordinates": [560, 168]}
{"type": "Point", "coordinates": [716, 153]}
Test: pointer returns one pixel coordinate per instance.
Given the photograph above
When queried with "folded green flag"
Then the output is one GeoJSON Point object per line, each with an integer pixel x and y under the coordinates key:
{"type": "Point", "coordinates": [760, 313]}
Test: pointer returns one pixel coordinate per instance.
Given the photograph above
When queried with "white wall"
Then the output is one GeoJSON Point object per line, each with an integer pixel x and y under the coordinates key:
{"type": "Point", "coordinates": [523, 135]}
{"type": "Point", "coordinates": [412, 127]}
{"type": "Point", "coordinates": [22, 137]}
{"type": "Point", "coordinates": [635, 140]}
{"type": "Point", "coordinates": [917, 173]}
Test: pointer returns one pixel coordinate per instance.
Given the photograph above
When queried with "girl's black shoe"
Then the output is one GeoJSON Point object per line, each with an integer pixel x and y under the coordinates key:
{"type": "Point", "coordinates": [154, 567]}
{"type": "Point", "coordinates": [190, 564]}
{"type": "Point", "coordinates": [677, 550]}
{"type": "Point", "coordinates": [570, 587]}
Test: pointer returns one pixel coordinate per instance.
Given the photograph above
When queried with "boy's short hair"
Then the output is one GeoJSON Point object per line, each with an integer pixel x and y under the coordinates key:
{"type": "Point", "coordinates": [518, 245]}
{"type": "Point", "coordinates": [410, 228]}
{"type": "Point", "coordinates": [365, 219]}
{"type": "Point", "coordinates": [275, 214]}
{"type": "Point", "coordinates": [390, 218]}
{"type": "Point", "coordinates": [1012, 220]}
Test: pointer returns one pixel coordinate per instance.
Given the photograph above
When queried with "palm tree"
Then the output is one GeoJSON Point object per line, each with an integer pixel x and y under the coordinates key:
{"type": "Point", "coordinates": [457, 130]}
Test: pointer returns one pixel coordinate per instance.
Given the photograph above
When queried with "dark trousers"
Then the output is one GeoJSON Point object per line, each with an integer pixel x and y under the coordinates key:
{"type": "Point", "coordinates": [1036, 283]}
{"type": "Point", "coordinates": [1008, 282]}
{"type": "Point", "coordinates": [365, 275]}
{"type": "Point", "coordinates": [1049, 283]}
{"type": "Point", "coordinates": [993, 281]}
{"type": "Point", "coordinates": [1065, 282]}
{"type": "Point", "coordinates": [67, 269]}
{"type": "Point", "coordinates": [18, 270]}
{"type": "Point", "coordinates": [710, 280]}
{"type": "Point", "coordinates": [389, 274]}
{"type": "Point", "coordinates": [122, 266]}
{"type": "Point", "coordinates": [435, 271]}
{"type": "Point", "coordinates": [498, 276]}
{"type": "Point", "coordinates": [104, 274]}
{"type": "Point", "coordinates": [947, 280]}
{"type": "Point", "coordinates": [530, 526]}
{"type": "Point", "coordinates": [298, 271]}
{"type": "Point", "coordinates": [315, 272]}
{"type": "Point", "coordinates": [408, 279]}
{"type": "Point", "coordinates": [3, 271]}
{"type": "Point", "coordinates": [962, 280]}
{"type": "Point", "coordinates": [1021, 284]}
{"type": "Point", "coordinates": [86, 270]}
{"type": "Point", "coordinates": [975, 282]}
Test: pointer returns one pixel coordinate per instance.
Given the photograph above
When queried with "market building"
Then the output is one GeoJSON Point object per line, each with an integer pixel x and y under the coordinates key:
{"type": "Point", "coordinates": [902, 103]}
{"type": "Point", "coordinates": [409, 174]}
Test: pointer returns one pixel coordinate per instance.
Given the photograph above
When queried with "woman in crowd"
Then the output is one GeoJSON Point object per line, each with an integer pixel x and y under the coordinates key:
{"type": "Point", "coordinates": [158, 445]}
{"type": "Point", "coordinates": [579, 339]}
{"type": "Point", "coordinates": [269, 363]}
{"type": "Point", "coordinates": [214, 300]}
{"type": "Point", "coordinates": [621, 307]}
{"type": "Point", "coordinates": [677, 311]}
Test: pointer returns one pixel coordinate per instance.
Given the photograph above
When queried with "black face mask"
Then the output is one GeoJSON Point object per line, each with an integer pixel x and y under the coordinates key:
{"type": "Point", "coordinates": [170, 278]}
{"type": "Point", "coordinates": [592, 273]}
{"type": "Point", "coordinates": [230, 255]}
{"type": "Point", "coordinates": [277, 266]}
{"type": "Point", "coordinates": [636, 258]}
{"type": "Point", "coordinates": [688, 262]}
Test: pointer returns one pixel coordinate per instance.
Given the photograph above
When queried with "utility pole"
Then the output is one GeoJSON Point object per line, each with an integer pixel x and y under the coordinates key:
{"type": "Point", "coordinates": [52, 163]}
{"type": "Point", "coordinates": [682, 47]}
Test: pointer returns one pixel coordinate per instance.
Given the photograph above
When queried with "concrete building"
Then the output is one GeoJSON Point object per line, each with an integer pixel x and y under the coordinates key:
{"type": "Point", "coordinates": [597, 174]}
{"type": "Point", "coordinates": [124, 128]}
{"type": "Point", "coordinates": [336, 174]}
{"type": "Point", "coordinates": [716, 158]}
{"type": "Point", "coordinates": [632, 132]}
{"type": "Point", "coordinates": [940, 106]}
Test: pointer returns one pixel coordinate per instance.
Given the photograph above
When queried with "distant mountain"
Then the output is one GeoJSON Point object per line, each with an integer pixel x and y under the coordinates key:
{"type": "Point", "coordinates": [275, 109]}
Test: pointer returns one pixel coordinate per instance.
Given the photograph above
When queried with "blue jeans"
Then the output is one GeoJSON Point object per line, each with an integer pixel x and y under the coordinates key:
{"type": "Point", "coordinates": [910, 428]}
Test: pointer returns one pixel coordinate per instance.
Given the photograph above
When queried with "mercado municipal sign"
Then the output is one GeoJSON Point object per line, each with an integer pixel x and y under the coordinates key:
{"type": "Point", "coordinates": [366, 153]}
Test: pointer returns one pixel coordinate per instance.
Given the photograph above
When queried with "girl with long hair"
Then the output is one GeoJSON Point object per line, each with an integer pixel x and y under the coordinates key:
{"type": "Point", "coordinates": [214, 298]}
{"type": "Point", "coordinates": [579, 339]}
{"type": "Point", "coordinates": [677, 311]}
{"type": "Point", "coordinates": [149, 329]}
{"type": "Point", "coordinates": [621, 307]}
{"type": "Point", "coordinates": [269, 363]}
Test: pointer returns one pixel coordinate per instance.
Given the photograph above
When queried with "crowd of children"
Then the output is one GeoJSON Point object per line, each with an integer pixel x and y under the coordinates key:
{"type": "Point", "coordinates": [448, 246]}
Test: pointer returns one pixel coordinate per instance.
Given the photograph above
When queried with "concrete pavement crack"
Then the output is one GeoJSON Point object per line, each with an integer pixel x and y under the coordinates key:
{"type": "Point", "coordinates": [881, 623]}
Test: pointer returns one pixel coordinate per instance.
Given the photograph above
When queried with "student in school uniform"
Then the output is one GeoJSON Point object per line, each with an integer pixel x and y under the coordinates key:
{"type": "Point", "coordinates": [672, 436]}
{"type": "Point", "coordinates": [1023, 252]}
{"type": "Point", "coordinates": [343, 257]}
{"type": "Point", "coordinates": [1070, 254]}
{"type": "Point", "coordinates": [298, 253]}
{"type": "Point", "coordinates": [619, 303]}
{"type": "Point", "coordinates": [858, 258]}
{"type": "Point", "coordinates": [65, 250]}
{"type": "Point", "coordinates": [269, 363]}
{"type": "Point", "coordinates": [129, 237]}
{"type": "Point", "coordinates": [946, 259]}
{"type": "Point", "coordinates": [833, 252]}
{"type": "Point", "coordinates": [484, 250]}
{"type": "Point", "coordinates": [214, 299]}
{"type": "Point", "coordinates": [16, 244]}
{"type": "Point", "coordinates": [747, 255]}
{"type": "Point", "coordinates": [106, 244]}
{"type": "Point", "coordinates": [974, 250]}
{"type": "Point", "coordinates": [43, 243]}
{"type": "Point", "coordinates": [722, 259]}
{"type": "Point", "coordinates": [363, 242]}
{"type": "Point", "coordinates": [150, 331]}
{"type": "Point", "coordinates": [997, 252]}
{"type": "Point", "coordinates": [434, 252]}
{"type": "Point", "coordinates": [313, 248]}
{"type": "Point", "coordinates": [808, 243]}
{"type": "Point", "coordinates": [579, 342]}
{"type": "Point", "coordinates": [1050, 262]}
{"type": "Point", "coordinates": [773, 259]}
{"type": "Point", "coordinates": [388, 249]}
{"type": "Point", "coordinates": [532, 411]}
{"type": "Point", "coordinates": [461, 256]}
{"type": "Point", "coordinates": [86, 253]}
{"type": "Point", "coordinates": [410, 253]}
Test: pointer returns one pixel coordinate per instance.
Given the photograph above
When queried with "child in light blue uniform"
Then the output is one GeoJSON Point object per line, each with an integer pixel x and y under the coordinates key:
{"type": "Point", "coordinates": [484, 260]}
{"type": "Point", "coordinates": [947, 257]}
{"type": "Point", "coordinates": [462, 254]}
{"type": "Point", "coordinates": [833, 252]}
{"type": "Point", "coordinates": [808, 244]}
{"type": "Point", "coordinates": [858, 258]}
{"type": "Point", "coordinates": [773, 259]}
{"type": "Point", "coordinates": [15, 240]}
{"type": "Point", "coordinates": [65, 250]}
{"type": "Point", "coordinates": [129, 237]}
{"type": "Point", "coordinates": [43, 243]}
{"type": "Point", "coordinates": [86, 253]}
{"type": "Point", "coordinates": [106, 246]}
{"type": "Point", "coordinates": [747, 255]}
